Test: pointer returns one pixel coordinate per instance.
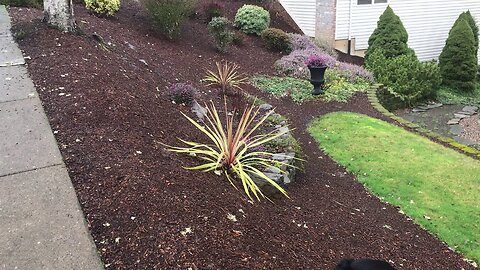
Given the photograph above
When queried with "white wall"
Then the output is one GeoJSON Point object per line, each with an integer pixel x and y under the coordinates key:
{"type": "Point", "coordinates": [303, 12]}
{"type": "Point", "coordinates": [427, 22]}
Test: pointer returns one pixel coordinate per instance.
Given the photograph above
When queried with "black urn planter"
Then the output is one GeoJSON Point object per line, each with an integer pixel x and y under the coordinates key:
{"type": "Point", "coordinates": [317, 79]}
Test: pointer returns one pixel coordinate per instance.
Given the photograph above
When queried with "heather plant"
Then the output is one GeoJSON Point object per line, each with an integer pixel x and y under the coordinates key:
{"type": "Point", "coordinates": [276, 40]}
{"type": "Point", "coordinates": [233, 149]}
{"type": "Point", "coordinates": [219, 29]}
{"type": "Point", "coordinates": [252, 19]}
{"type": "Point", "coordinates": [458, 60]}
{"type": "Point", "coordinates": [321, 60]}
{"type": "Point", "coordinates": [326, 47]}
{"type": "Point", "coordinates": [168, 15]}
{"type": "Point", "coordinates": [354, 72]}
{"type": "Point", "coordinates": [390, 36]}
{"type": "Point", "coordinates": [301, 42]}
{"type": "Point", "coordinates": [294, 63]}
{"type": "Point", "coordinates": [104, 7]}
{"type": "Point", "coordinates": [214, 9]}
{"type": "Point", "coordinates": [182, 93]}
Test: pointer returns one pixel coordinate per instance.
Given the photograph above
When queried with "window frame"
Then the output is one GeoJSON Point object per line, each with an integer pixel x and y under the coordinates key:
{"type": "Point", "coordinates": [372, 2]}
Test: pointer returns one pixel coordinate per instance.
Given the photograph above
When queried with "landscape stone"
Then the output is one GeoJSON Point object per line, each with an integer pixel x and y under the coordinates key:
{"type": "Point", "coordinates": [433, 106]}
{"type": "Point", "coordinates": [466, 112]}
{"type": "Point", "coordinates": [456, 129]}
{"type": "Point", "coordinates": [460, 115]}
{"type": "Point", "coordinates": [198, 110]}
{"type": "Point", "coordinates": [470, 109]}
{"type": "Point", "coordinates": [273, 169]}
{"type": "Point", "coordinates": [416, 110]}
{"type": "Point", "coordinates": [286, 179]}
{"type": "Point", "coordinates": [266, 107]}
{"type": "Point", "coordinates": [454, 121]}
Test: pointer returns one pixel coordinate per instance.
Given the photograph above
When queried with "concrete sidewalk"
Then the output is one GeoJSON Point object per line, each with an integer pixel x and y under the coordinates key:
{"type": "Point", "coordinates": [41, 222]}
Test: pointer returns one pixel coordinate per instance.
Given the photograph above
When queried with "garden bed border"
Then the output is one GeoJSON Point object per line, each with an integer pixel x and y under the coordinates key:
{"type": "Point", "coordinates": [374, 101]}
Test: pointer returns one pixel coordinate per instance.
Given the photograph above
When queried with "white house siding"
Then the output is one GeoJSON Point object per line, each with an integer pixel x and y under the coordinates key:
{"type": "Point", "coordinates": [427, 22]}
{"type": "Point", "coordinates": [303, 12]}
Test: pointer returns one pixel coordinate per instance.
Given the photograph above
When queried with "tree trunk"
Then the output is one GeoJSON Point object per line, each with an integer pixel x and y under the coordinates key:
{"type": "Point", "coordinates": [59, 14]}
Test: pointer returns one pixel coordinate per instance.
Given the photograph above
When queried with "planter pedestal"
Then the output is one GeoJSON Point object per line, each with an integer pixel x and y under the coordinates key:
{"type": "Point", "coordinates": [318, 79]}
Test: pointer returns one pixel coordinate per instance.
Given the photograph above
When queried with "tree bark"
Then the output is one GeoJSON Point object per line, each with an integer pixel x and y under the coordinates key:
{"type": "Point", "coordinates": [59, 14]}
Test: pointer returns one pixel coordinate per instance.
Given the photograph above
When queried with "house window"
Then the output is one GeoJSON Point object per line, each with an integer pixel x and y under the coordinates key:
{"type": "Point", "coordinates": [369, 2]}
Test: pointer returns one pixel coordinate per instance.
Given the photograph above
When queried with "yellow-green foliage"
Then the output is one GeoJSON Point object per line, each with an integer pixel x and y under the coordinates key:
{"type": "Point", "coordinates": [107, 7]}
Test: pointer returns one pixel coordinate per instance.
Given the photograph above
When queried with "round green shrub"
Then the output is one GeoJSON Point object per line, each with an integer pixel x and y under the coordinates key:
{"type": "Point", "coordinates": [252, 19]}
{"type": "Point", "coordinates": [458, 60]}
{"type": "Point", "coordinates": [105, 7]}
{"type": "Point", "coordinates": [219, 29]}
{"type": "Point", "coordinates": [276, 40]}
{"type": "Point", "coordinates": [410, 79]}
{"type": "Point", "coordinates": [390, 36]}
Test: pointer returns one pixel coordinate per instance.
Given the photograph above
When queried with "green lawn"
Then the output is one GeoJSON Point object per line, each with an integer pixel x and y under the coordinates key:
{"type": "Point", "coordinates": [436, 186]}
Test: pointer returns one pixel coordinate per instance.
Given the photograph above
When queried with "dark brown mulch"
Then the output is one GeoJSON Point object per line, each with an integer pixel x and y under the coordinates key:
{"type": "Point", "coordinates": [109, 112]}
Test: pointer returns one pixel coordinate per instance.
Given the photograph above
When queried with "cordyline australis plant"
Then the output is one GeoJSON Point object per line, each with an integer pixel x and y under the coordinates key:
{"type": "Point", "coordinates": [232, 150]}
{"type": "Point", "coordinates": [226, 76]}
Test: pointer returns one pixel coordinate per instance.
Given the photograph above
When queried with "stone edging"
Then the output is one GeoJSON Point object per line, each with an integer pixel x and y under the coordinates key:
{"type": "Point", "coordinates": [373, 99]}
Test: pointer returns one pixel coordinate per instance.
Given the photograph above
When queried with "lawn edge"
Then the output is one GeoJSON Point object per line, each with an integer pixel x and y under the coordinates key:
{"type": "Point", "coordinates": [374, 101]}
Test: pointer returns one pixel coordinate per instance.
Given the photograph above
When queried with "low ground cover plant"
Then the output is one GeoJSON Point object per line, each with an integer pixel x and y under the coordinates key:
{"type": "Point", "coordinates": [219, 28]}
{"type": "Point", "coordinates": [276, 40]}
{"type": "Point", "coordinates": [448, 95]}
{"type": "Point", "coordinates": [182, 93]}
{"type": "Point", "coordinates": [231, 148]}
{"type": "Point", "coordinates": [103, 7]}
{"type": "Point", "coordinates": [409, 171]}
{"type": "Point", "coordinates": [252, 19]}
{"type": "Point", "coordinates": [226, 76]}
{"type": "Point", "coordinates": [337, 88]}
{"type": "Point", "coordinates": [168, 15]}
{"type": "Point", "coordinates": [294, 64]}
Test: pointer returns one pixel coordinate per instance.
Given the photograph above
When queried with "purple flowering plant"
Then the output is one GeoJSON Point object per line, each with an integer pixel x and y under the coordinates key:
{"type": "Point", "coordinates": [321, 60]}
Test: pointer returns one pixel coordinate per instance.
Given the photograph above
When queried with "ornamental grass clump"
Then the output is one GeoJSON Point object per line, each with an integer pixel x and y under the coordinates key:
{"type": "Point", "coordinates": [252, 19]}
{"type": "Point", "coordinates": [168, 16]}
{"type": "Point", "coordinates": [232, 149]}
{"type": "Point", "coordinates": [226, 77]}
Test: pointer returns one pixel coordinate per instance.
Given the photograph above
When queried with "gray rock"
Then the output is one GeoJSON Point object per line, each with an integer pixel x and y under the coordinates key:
{"type": "Point", "coordinates": [456, 129]}
{"type": "Point", "coordinates": [198, 110]}
{"type": "Point", "coordinates": [277, 178]}
{"type": "Point", "coordinates": [434, 105]}
{"type": "Point", "coordinates": [472, 109]}
{"type": "Point", "coordinates": [273, 169]}
{"type": "Point", "coordinates": [417, 110]}
{"type": "Point", "coordinates": [279, 156]}
{"type": "Point", "coordinates": [283, 130]}
{"type": "Point", "coordinates": [286, 179]}
{"type": "Point", "coordinates": [460, 115]}
{"type": "Point", "coordinates": [454, 121]}
{"type": "Point", "coordinates": [463, 140]}
{"type": "Point", "coordinates": [466, 113]}
{"type": "Point", "coordinates": [266, 107]}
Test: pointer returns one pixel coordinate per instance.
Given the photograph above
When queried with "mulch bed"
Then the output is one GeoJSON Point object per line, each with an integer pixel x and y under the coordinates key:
{"type": "Point", "coordinates": [109, 112]}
